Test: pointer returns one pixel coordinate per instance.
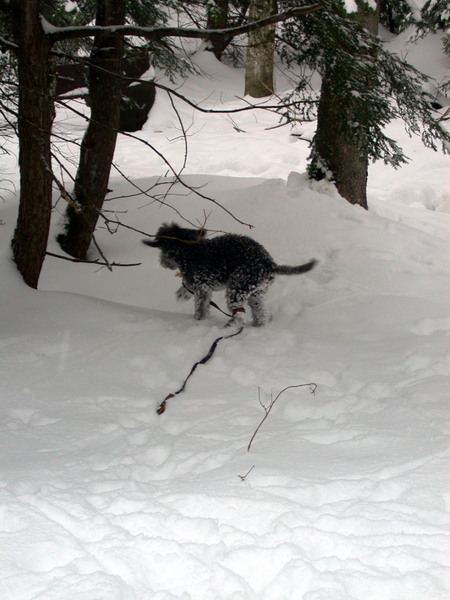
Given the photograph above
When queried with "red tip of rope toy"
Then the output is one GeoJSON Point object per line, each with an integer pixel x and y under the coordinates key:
{"type": "Point", "coordinates": [162, 406]}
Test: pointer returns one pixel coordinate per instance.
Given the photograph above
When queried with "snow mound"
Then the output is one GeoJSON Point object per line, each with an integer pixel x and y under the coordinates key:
{"type": "Point", "coordinates": [341, 494]}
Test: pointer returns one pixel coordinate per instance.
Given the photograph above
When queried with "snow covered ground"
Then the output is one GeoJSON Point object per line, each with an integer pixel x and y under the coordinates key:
{"type": "Point", "coordinates": [344, 493]}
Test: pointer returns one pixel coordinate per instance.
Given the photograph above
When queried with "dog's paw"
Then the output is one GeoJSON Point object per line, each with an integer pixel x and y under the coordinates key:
{"type": "Point", "coordinates": [234, 323]}
{"type": "Point", "coordinates": [182, 294]}
{"type": "Point", "coordinates": [262, 321]}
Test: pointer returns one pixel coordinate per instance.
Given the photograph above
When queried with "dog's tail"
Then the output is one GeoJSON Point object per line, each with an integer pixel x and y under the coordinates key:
{"type": "Point", "coordinates": [286, 270]}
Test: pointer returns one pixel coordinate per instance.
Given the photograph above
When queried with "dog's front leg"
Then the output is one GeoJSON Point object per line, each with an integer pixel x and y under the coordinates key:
{"type": "Point", "coordinates": [202, 298]}
{"type": "Point", "coordinates": [183, 294]}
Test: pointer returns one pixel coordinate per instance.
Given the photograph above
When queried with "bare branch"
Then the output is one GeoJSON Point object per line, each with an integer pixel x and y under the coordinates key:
{"type": "Point", "coordinates": [93, 262]}
{"type": "Point", "coordinates": [179, 180]}
{"type": "Point", "coordinates": [445, 116]}
{"type": "Point", "coordinates": [99, 250]}
{"type": "Point", "coordinates": [244, 477]}
{"type": "Point", "coordinates": [183, 130]}
{"type": "Point", "coordinates": [268, 408]}
{"type": "Point", "coordinates": [7, 45]}
{"type": "Point", "coordinates": [62, 188]}
{"type": "Point", "coordinates": [217, 111]}
{"type": "Point", "coordinates": [176, 174]}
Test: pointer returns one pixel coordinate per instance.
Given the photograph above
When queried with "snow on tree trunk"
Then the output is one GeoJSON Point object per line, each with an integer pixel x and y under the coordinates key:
{"type": "Point", "coordinates": [260, 52]}
{"type": "Point", "coordinates": [99, 141]}
{"type": "Point", "coordinates": [29, 243]}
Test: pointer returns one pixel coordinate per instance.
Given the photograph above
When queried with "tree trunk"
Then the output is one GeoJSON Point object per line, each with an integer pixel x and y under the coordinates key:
{"type": "Point", "coordinates": [260, 52]}
{"type": "Point", "coordinates": [36, 108]}
{"type": "Point", "coordinates": [99, 141]}
{"type": "Point", "coordinates": [338, 155]}
{"type": "Point", "coordinates": [217, 18]}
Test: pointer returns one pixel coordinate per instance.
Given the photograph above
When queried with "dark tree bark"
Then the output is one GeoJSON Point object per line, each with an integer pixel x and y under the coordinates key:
{"type": "Point", "coordinates": [338, 154]}
{"type": "Point", "coordinates": [34, 126]}
{"type": "Point", "coordinates": [99, 141]}
{"type": "Point", "coordinates": [260, 51]}
{"type": "Point", "coordinates": [217, 18]}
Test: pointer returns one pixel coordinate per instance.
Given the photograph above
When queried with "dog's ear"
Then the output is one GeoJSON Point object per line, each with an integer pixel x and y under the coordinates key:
{"type": "Point", "coordinates": [167, 230]}
{"type": "Point", "coordinates": [155, 244]}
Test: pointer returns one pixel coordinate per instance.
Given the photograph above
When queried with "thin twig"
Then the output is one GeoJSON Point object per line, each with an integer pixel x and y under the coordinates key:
{"type": "Point", "coordinates": [99, 250]}
{"type": "Point", "coordinates": [93, 262]}
{"type": "Point", "coordinates": [267, 409]}
{"type": "Point", "coordinates": [175, 174]}
{"type": "Point", "coordinates": [445, 116]}
{"type": "Point", "coordinates": [217, 111]}
{"type": "Point", "coordinates": [244, 477]}
{"type": "Point", "coordinates": [65, 195]}
{"type": "Point", "coordinates": [183, 130]}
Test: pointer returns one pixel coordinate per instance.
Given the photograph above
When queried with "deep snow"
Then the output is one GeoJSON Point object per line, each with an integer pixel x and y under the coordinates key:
{"type": "Point", "coordinates": [344, 494]}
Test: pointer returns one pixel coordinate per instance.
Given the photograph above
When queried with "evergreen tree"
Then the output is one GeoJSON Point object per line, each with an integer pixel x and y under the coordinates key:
{"type": "Point", "coordinates": [260, 52]}
{"type": "Point", "coordinates": [364, 88]}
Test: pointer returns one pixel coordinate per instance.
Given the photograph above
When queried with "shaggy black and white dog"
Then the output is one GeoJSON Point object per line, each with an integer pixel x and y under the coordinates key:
{"type": "Point", "coordinates": [236, 263]}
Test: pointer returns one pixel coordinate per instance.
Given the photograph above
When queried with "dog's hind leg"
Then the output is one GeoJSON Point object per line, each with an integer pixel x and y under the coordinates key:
{"type": "Point", "coordinates": [202, 299]}
{"type": "Point", "coordinates": [259, 314]}
{"type": "Point", "coordinates": [235, 303]}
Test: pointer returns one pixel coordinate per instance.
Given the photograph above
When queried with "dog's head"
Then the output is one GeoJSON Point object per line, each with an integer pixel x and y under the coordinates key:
{"type": "Point", "coordinates": [170, 239]}
{"type": "Point", "coordinates": [170, 234]}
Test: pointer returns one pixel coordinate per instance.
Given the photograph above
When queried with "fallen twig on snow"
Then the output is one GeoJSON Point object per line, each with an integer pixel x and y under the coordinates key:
{"type": "Point", "coordinates": [268, 408]}
{"type": "Point", "coordinates": [244, 477]}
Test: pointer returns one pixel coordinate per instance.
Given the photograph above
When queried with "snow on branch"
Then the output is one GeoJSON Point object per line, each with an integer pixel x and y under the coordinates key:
{"type": "Point", "coordinates": [56, 34]}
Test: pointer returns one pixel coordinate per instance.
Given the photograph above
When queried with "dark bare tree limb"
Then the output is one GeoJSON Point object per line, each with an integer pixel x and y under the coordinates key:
{"type": "Point", "coordinates": [217, 111]}
{"type": "Point", "coordinates": [92, 262]}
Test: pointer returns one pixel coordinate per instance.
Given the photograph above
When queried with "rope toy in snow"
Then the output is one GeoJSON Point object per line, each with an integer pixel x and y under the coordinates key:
{"type": "Point", "coordinates": [211, 302]}
{"type": "Point", "coordinates": [162, 407]}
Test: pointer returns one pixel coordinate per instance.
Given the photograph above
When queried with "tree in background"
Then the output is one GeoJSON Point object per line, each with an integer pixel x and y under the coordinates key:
{"type": "Point", "coordinates": [395, 15]}
{"type": "Point", "coordinates": [217, 12]}
{"type": "Point", "coordinates": [364, 87]}
{"type": "Point", "coordinates": [435, 17]}
{"type": "Point", "coordinates": [260, 51]}
{"type": "Point", "coordinates": [341, 141]}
